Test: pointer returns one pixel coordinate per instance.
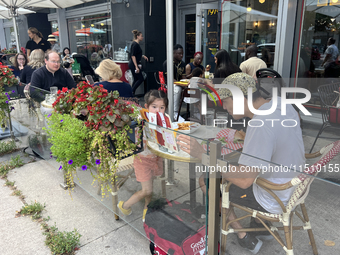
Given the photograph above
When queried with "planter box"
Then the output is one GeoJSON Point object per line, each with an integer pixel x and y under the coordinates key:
{"type": "Point", "coordinates": [133, 139]}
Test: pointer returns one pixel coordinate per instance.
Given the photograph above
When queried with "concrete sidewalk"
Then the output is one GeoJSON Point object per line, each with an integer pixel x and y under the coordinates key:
{"type": "Point", "coordinates": [102, 234]}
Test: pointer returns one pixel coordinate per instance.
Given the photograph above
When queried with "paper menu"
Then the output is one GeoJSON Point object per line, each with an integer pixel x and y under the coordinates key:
{"type": "Point", "coordinates": [162, 136]}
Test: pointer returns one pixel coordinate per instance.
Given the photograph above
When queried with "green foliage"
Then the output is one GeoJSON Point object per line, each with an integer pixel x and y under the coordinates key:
{"type": "Point", "coordinates": [85, 144]}
{"type": "Point", "coordinates": [8, 146]}
{"type": "Point", "coordinates": [6, 167]}
{"type": "Point", "coordinates": [71, 140]}
{"type": "Point", "coordinates": [35, 209]}
{"type": "Point", "coordinates": [16, 161]}
{"type": "Point", "coordinates": [62, 243]}
{"type": "Point", "coordinates": [17, 193]}
{"type": "Point", "coordinates": [9, 183]}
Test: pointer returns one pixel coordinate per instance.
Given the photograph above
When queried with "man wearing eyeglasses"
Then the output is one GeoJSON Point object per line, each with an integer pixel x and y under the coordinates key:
{"type": "Point", "coordinates": [52, 74]}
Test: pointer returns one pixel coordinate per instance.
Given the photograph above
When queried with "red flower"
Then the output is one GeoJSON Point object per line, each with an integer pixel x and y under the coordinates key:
{"type": "Point", "coordinates": [64, 89]}
{"type": "Point", "coordinates": [101, 86]}
{"type": "Point", "coordinates": [116, 101]}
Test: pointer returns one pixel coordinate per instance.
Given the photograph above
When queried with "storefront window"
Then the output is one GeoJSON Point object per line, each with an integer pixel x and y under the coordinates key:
{"type": "Point", "coordinates": [10, 37]}
{"type": "Point", "coordinates": [245, 23]}
{"type": "Point", "coordinates": [91, 36]}
{"type": "Point", "coordinates": [320, 22]}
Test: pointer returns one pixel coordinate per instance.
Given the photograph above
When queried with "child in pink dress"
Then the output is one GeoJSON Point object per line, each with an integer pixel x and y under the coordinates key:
{"type": "Point", "coordinates": [146, 164]}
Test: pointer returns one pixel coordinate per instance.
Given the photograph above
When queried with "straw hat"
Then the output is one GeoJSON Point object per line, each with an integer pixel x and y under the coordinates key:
{"type": "Point", "coordinates": [241, 80]}
{"type": "Point", "coordinates": [51, 38]}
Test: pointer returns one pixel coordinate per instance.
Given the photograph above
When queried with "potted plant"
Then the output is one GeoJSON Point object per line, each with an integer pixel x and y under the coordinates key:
{"type": "Point", "coordinates": [6, 79]}
{"type": "Point", "coordinates": [84, 122]}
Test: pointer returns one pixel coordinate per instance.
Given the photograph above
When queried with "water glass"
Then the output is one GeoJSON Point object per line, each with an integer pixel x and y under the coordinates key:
{"type": "Point", "coordinates": [48, 98]}
{"type": "Point", "coordinates": [206, 75]}
{"type": "Point", "coordinates": [209, 117]}
{"type": "Point", "coordinates": [54, 90]}
{"type": "Point", "coordinates": [220, 123]}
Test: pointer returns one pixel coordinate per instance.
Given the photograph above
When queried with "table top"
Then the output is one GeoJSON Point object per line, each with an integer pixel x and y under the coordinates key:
{"type": "Point", "coordinates": [46, 105]}
{"type": "Point", "coordinates": [202, 133]}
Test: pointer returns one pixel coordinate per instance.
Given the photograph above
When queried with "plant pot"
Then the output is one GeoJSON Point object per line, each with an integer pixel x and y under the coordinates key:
{"type": "Point", "coordinates": [132, 139]}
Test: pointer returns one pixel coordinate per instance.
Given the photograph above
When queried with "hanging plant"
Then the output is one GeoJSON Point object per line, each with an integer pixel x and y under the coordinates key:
{"type": "Point", "coordinates": [86, 122]}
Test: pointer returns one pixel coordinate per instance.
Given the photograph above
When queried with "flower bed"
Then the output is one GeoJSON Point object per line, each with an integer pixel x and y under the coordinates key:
{"type": "Point", "coordinates": [83, 120]}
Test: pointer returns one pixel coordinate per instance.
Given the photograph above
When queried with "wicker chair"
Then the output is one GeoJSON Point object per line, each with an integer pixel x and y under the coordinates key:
{"type": "Point", "coordinates": [302, 183]}
{"type": "Point", "coordinates": [329, 99]}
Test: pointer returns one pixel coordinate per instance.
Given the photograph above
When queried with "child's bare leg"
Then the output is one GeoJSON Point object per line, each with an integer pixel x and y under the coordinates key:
{"type": "Point", "coordinates": [139, 195]}
{"type": "Point", "coordinates": [147, 187]}
{"type": "Point", "coordinates": [202, 183]}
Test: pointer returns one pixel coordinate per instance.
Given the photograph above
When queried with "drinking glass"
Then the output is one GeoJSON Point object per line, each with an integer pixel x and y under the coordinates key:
{"type": "Point", "coordinates": [54, 90]}
{"type": "Point", "coordinates": [209, 117]}
{"type": "Point", "coordinates": [206, 75]}
{"type": "Point", "coordinates": [220, 123]}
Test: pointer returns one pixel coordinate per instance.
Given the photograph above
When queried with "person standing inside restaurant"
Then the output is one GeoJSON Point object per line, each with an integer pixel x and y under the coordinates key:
{"type": "Point", "coordinates": [224, 65]}
{"type": "Point", "coordinates": [36, 41]}
{"type": "Point", "coordinates": [179, 73]}
{"type": "Point", "coordinates": [135, 60]}
{"type": "Point", "coordinates": [198, 58]}
{"type": "Point", "coordinates": [252, 63]}
{"type": "Point", "coordinates": [331, 53]}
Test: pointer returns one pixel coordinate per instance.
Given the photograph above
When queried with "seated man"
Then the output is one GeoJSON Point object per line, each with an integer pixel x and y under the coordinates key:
{"type": "Point", "coordinates": [271, 142]}
{"type": "Point", "coordinates": [50, 75]}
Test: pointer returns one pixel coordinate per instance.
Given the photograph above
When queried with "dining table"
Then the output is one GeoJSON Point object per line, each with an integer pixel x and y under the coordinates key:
{"type": "Point", "coordinates": [203, 133]}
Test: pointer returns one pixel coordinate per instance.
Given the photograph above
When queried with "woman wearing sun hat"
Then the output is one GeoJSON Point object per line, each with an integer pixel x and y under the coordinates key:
{"type": "Point", "coordinates": [53, 41]}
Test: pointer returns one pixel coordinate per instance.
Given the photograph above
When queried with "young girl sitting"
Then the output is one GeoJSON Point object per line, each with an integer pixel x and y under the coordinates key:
{"type": "Point", "coordinates": [146, 164]}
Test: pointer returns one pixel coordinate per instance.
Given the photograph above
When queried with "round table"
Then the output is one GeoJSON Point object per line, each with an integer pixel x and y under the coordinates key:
{"type": "Point", "coordinates": [202, 133]}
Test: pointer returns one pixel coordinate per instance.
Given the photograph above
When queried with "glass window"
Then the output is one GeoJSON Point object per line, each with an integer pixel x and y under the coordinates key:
{"type": "Point", "coordinates": [245, 23]}
{"type": "Point", "coordinates": [10, 37]}
{"type": "Point", "coordinates": [91, 36]}
{"type": "Point", "coordinates": [318, 45]}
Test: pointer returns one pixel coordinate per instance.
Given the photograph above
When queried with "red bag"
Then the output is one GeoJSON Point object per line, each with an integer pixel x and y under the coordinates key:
{"type": "Point", "coordinates": [334, 115]}
{"type": "Point", "coordinates": [162, 82]}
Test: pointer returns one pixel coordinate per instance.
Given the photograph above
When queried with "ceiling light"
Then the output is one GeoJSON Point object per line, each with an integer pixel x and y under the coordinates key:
{"type": "Point", "coordinates": [261, 1]}
{"type": "Point", "coordinates": [92, 25]}
{"type": "Point", "coordinates": [249, 8]}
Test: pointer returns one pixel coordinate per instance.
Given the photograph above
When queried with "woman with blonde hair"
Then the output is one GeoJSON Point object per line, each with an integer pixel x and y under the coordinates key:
{"type": "Point", "coordinates": [110, 73]}
{"type": "Point", "coordinates": [36, 61]}
{"type": "Point", "coordinates": [36, 41]}
{"type": "Point", "coordinates": [135, 61]}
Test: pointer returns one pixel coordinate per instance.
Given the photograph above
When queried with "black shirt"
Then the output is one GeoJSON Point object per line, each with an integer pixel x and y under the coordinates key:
{"type": "Point", "coordinates": [179, 70]}
{"type": "Point", "coordinates": [135, 51]}
{"type": "Point", "coordinates": [26, 74]}
{"type": "Point", "coordinates": [124, 89]}
{"type": "Point", "coordinates": [44, 79]}
{"type": "Point", "coordinates": [43, 44]}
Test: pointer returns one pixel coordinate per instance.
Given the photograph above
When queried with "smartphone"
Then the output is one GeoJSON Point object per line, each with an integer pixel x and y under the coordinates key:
{"type": "Point", "coordinates": [89, 79]}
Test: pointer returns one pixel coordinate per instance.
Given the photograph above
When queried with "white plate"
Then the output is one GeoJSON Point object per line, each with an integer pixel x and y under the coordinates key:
{"type": "Point", "coordinates": [193, 127]}
{"type": "Point", "coordinates": [185, 80]}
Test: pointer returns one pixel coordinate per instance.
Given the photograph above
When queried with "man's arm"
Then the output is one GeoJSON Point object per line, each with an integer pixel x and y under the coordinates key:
{"type": "Point", "coordinates": [241, 175]}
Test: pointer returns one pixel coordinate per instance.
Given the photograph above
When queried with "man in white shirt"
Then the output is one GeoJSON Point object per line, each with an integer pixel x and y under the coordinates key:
{"type": "Point", "coordinates": [267, 145]}
{"type": "Point", "coordinates": [252, 62]}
